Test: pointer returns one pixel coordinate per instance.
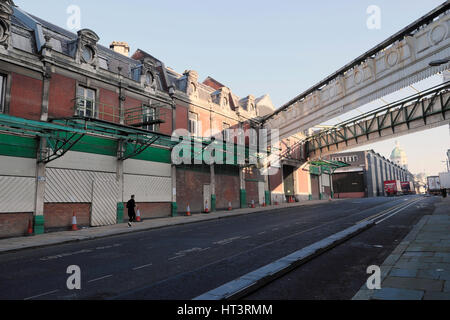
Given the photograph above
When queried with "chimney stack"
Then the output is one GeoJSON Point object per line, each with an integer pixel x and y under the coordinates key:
{"type": "Point", "coordinates": [120, 47]}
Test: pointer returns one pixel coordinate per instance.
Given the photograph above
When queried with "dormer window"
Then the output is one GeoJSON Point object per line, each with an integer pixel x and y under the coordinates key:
{"type": "Point", "coordinates": [2, 30]}
{"type": "Point", "coordinates": [86, 49]}
{"type": "Point", "coordinates": [149, 78]}
{"type": "Point", "coordinates": [192, 88]}
{"type": "Point", "coordinates": [87, 54]}
{"type": "Point", "coordinates": [6, 11]}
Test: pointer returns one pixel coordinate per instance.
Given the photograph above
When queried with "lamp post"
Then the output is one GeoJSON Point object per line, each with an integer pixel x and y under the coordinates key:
{"type": "Point", "coordinates": [447, 162]}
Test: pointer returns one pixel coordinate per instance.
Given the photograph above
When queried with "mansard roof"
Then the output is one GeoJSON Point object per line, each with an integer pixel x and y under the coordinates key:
{"type": "Point", "coordinates": [31, 33]}
{"type": "Point", "coordinates": [25, 38]}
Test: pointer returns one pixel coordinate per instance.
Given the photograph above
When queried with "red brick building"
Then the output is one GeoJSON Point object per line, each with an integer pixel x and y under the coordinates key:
{"type": "Point", "coordinates": [83, 127]}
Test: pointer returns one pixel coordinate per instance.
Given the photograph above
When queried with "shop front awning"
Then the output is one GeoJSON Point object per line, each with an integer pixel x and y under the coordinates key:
{"type": "Point", "coordinates": [325, 166]}
{"type": "Point", "coordinates": [349, 169]}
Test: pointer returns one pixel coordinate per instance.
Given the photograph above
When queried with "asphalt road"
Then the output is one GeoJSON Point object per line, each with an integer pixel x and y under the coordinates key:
{"type": "Point", "coordinates": [182, 262]}
{"type": "Point", "coordinates": [338, 274]}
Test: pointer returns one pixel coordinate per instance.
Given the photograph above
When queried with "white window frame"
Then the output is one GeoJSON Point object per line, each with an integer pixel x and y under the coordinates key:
{"type": "Point", "coordinates": [149, 113]}
{"type": "Point", "coordinates": [193, 123]}
{"type": "Point", "coordinates": [83, 102]}
{"type": "Point", "coordinates": [3, 80]}
{"type": "Point", "coordinates": [226, 131]}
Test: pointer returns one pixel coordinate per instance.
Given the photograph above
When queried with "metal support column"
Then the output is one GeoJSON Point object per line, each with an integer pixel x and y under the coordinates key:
{"type": "Point", "coordinates": [120, 177]}
{"type": "Point", "coordinates": [213, 188]}
{"type": "Point", "coordinates": [243, 192]}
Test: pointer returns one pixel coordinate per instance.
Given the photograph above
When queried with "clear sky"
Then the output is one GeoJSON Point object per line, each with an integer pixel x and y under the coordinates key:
{"type": "Point", "coordinates": [256, 46]}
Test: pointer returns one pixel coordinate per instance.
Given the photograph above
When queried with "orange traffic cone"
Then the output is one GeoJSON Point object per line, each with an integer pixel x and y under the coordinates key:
{"type": "Point", "coordinates": [30, 228]}
{"type": "Point", "coordinates": [138, 215]}
{"type": "Point", "coordinates": [206, 207]}
{"type": "Point", "coordinates": [74, 222]}
{"type": "Point", "coordinates": [188, 213]}
{"type": "Point", "coordinates": [253, 203]}
{"type": "Point", "coordinates": [229, 206]}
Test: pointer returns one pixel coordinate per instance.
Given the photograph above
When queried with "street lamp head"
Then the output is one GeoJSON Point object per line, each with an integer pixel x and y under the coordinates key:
{"type": "Point", "coordinates": [437, 63]}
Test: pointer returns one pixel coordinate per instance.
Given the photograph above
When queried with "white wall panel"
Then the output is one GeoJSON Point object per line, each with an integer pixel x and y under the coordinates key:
{"type": "Point", "coordinates": [325, 180]}
{"type": "Point", "coordinates": [85, 161]}
{"type": "Point", "coordinates": [104, 202]}
{"type": "Point", "coordinates": [17, 194]}
{"type": "Point", "coordinates": [147, 188]}
{"type": "Point", "coordinates": [14, 166]}
{"type": "Point", "coordinates": [148, 168]}
{"type": "Point", "coordinates": [261, 192]}
{"type": "Point", "coordinates": [72, 186]}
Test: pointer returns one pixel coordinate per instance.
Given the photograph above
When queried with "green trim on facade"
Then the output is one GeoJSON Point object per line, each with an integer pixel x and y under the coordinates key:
{"type": "Point", "coordinates": [155, 155]}
{"type": "Point", "coordinates": [314, 170]}
{"type": "Point", "coordinates": [174, 209]}
{"type": "Point", "coordinates": [25, 147]}
{"type": "Point", "coordinates": [39, 224]}
{"type": "Point", "coordinates": [268, 197]}
{"type": "Point", "coordinates": [16, 146]}
{"type": "Point", "coordinates": [90, 144]}
{"type": "Point", "coordinates": [243, 197]}
{"type": "Point", "coordinates": [213, 202]}
{"type": "Point", "coordinates": [108, 147]}
{"type": "Point", "coordinates": [120, 209]}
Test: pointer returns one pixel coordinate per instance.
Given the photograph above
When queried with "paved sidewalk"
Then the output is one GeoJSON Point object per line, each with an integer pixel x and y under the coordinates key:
{"type": "Point", "coordinates": [47, 239]}
{"type": "Point", "coordinates": [419, 268]}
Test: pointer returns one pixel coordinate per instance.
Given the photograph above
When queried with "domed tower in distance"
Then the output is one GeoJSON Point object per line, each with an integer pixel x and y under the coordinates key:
{"type": "Point", "coordinates": [398, 156]}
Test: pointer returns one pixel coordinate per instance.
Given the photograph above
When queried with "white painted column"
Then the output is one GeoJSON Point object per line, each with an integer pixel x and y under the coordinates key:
{"type": "Point", "coordinates": [174, 190]}
{"type": "Point", "coordinates": [119, 172]}
{"type": "Point", "coordinates": [213, 187]}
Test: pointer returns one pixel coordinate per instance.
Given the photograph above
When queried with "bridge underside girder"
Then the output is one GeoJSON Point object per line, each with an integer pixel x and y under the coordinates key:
{"type": "Point", "coordinates": [419, 112]}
